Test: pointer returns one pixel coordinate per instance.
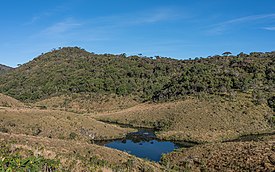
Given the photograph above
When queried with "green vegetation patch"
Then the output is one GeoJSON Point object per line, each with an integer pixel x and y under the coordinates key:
{"type": "Point", "coordinates": [11, 160]}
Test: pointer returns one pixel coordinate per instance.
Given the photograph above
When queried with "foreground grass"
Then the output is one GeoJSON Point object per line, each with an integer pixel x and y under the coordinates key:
{"type": "Point", "coordinates": [65, 155]}
{"type": "Point", "coordinates": [16, 159]}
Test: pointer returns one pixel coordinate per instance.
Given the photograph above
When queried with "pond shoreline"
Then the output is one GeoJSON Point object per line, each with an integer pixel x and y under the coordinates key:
{"type": "Point", "coordinates": [242, 137]}
{"type": "Point", "coordinates": [146, 128]}
{"type": "Point", "coordinates": [144, 144]}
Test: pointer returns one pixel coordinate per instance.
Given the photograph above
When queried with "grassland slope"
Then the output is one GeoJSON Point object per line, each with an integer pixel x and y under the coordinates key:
{"type": "Point", "coordinates": [7, 101]}
{"type": "Point", "coordinates": [233, 156]}
{"type": "Point", "coordinates": [57, 124]}
{"type": "Point", "coordinates": [193, 119]}
{"type": "Point", "coordinates": [76, 156]}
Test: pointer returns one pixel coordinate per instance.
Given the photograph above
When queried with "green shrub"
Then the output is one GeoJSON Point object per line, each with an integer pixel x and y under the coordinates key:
{"type": "Point", "coordinates": [36, 131]}
{"type": "Point", "coordinates": [72, 135]}
{"type": "Point", "coordinates": [271, 102]}
{"type": "Point", "coordinates": [12, 161]}
{"type": "Point", "coordinates": [4, 130]}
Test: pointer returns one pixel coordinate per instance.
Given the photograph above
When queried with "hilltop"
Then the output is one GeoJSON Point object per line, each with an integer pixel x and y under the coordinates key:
{"type": "Point", "coordinates": [74, 70]}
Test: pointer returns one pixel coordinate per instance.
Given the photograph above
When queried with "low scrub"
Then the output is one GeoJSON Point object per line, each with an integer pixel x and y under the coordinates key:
{"type": "Point", "coordinates": [11, 160]}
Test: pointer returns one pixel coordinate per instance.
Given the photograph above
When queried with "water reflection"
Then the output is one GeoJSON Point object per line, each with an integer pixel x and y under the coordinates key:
{"type": "Point", "coordinates": [150, 150]}
{"type": "Point", "coordinates": [144, 144]}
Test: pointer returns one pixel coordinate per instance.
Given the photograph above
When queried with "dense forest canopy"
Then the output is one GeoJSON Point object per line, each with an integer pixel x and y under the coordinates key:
{"type": "Point", "coordinates": [74, 70]}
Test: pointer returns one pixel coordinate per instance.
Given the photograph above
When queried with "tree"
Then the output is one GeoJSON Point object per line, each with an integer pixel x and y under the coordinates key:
{"type": "Point", "coordinates": [271, 102]}
{"type": "Point", "coordinates": [123, 55]}
{"type": "Point", "coordinates": [242, 55]}
{"type": "Point", "coordinates": [227, 53]}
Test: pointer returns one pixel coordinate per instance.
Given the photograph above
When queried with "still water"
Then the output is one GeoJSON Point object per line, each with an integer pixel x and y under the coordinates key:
{"type": "Point", "coordinates": [144, 144]}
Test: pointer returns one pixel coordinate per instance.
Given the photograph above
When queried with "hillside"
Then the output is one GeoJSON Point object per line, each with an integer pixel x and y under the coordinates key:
{"type": "Point", "coordinates": [6, 101]}
{"type": "Point", "coordinates": [64, 155]}
{"type": "Point", "coordinates": [4, 69]}
{"type": "Point", "coordinates": [91, 103]}
{"type": "Point", "coordinates": [74, 70]}
{"type": "Point", "coordinates": [232, 156]}
{"type": "Point", "coordinates": [57, 124]}
{"type": "Point", "coordinates": [199, 120]}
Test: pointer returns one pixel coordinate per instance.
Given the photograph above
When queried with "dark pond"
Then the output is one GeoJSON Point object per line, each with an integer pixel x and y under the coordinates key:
{"type": "Point", "coordinates": [144, 144]}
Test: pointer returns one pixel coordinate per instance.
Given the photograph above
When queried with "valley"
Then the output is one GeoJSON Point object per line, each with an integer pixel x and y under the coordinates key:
{"type": "Point", "coordinates": [70, 110]}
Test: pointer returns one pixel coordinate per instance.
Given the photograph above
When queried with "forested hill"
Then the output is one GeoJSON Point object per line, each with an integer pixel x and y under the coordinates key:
{"type": "Point", "coordinates": [74, 70]}
{"type": "Point", "coordinates": [4, 69]}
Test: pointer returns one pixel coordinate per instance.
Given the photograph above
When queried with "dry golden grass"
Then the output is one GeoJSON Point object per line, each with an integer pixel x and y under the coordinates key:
{"type": "Point", "coordinates": [76, 156]}
{"type": "Point", "coordinates": [57, 124]}
{"type": "Point", "coordinates": [231, 156]}
{"type": "Point", "coordinates": [53, 134]}
{"type": "Point", "coordinates": [6, 101]}
{"type": "Point", "coordinates": [201, 120]}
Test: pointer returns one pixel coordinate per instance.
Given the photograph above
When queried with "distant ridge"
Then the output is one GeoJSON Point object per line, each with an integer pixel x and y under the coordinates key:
{"type": "Point", "coordinates": [4, 68]}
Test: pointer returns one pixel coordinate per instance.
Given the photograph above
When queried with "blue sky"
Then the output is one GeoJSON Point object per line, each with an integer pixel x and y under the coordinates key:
{"type": "Point", "coordinates": [179, 29]}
